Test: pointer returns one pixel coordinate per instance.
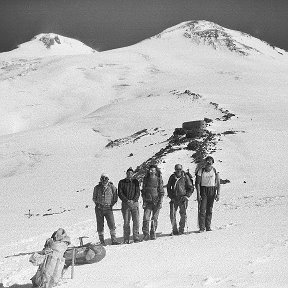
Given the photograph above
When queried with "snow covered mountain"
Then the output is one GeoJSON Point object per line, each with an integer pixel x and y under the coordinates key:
{"type": "Point", "coordinates": [66, 119]}
{"type": "Point", "coordinates": [217, 37]}
{"type": "Point", "coordinates": [49, 44]}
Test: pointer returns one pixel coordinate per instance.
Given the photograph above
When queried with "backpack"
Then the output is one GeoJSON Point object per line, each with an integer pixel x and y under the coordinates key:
{"type": "Point", "coordinates": [191, 179]}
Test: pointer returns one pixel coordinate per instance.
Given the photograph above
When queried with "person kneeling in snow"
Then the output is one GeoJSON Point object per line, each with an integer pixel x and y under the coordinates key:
{"type": "Point", "coordinates": [104, 197]}
{"type": "Point", "coordinates": [50, 260]}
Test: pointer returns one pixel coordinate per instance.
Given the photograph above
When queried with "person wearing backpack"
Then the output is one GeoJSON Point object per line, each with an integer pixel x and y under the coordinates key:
{"type": "Point", "coordinates": [105, 196]}
{"type": "Point", "coordinates": [129, 192]}
{"type": "Point", "coordinates": [50, 260]}
{"type": "Point", "coordinates": [208, 190]}
{"type": "Point", "coordinates": [179, 188]}
{"type": "Point", "coordinates": [152, 194]}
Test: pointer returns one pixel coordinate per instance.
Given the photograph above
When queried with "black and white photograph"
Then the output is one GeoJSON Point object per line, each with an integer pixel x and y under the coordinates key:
{"type": "Point", "coordinates": [143, 143]}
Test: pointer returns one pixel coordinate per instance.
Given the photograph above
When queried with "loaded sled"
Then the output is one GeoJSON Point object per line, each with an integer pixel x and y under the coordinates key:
{"type": "Point", "coordinates": [56, 257]}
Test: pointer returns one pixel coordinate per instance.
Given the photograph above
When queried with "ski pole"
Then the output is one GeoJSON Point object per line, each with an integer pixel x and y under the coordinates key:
{"type": "Point", "coordinates": [73, 263]}
{"type": "Point", "coordinates": [198, 216]}
{"type": "Point", "coordinates": [186, 218]}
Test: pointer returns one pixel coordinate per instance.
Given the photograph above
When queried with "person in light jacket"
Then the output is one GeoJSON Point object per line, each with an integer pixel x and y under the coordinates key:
{"type": "Point", "coordinates": [105, 197]}
{"type": "Point", "coordinates": [208, 190]}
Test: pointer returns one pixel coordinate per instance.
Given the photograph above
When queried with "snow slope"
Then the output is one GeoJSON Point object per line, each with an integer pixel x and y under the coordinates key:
{"type": "Point", "coordinates": [58, 114]}
{"type": "Point", "coordinates": [49, 44]}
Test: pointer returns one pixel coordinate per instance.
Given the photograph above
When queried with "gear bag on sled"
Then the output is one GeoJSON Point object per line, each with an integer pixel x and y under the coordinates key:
{"type": "Point", "coordinates": [84, 254]}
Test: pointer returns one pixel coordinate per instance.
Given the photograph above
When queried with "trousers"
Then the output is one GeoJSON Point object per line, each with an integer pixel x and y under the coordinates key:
{"type": "Point", "coordinates": [130, 211]}
{"type": "Point", "coordinates": [206, 206]}
{"type": "Point", "coordinates": [174, 205]}
{"type": "Point", "coordinates": [149, 209]}
{"type": "Point", "coordinates": [107, 213]}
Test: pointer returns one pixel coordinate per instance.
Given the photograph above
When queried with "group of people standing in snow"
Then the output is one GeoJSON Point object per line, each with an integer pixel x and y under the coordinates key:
{"type": "Point", "coordinates": [179, 188]}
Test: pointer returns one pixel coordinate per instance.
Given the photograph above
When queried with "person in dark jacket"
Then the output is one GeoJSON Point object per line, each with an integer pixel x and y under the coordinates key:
{"type": "Point", "coordinates": [208, 190]}
{"type": "Point", "coordinates": [105, 197]}
{"type": "Point", "coordinates": [129, 192]}
{"type": "Point", "coordinates": [179, 189]}
{"type": "Point", "coordinates": [152, 194]}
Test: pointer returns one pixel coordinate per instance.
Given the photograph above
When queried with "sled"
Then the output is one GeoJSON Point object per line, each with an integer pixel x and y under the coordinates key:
{"type": "Point", "coordinates": [84, 254]}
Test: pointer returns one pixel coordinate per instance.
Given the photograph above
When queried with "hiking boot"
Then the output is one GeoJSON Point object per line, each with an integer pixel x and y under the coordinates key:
{"type": "Point", "coordinates": [101, 239]}
{"type": "Point", "coordinates": [201, 231]}
{"type": "Point", "coordinates": [208, 229]}
{"type": "Point", "coordinates": [174, 232]}
{"type": "Point", "coordinates": [146, 237]}
{"type": "Point", "coordinates": [153, 236]}
{"type": "Point", "coordinates": [181, 233]}
{"type": "Point", "coordinates": [137, 240]}
{"type": "Point", "coordinates": [115, 242]}
{"type": "Point", "coordinates": [126, 242]}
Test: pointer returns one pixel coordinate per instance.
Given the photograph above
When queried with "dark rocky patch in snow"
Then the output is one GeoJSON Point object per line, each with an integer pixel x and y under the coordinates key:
{"type": "Point", "coordinates": [224, 181]}
{"type": "Point", "coordinates": [202, 143]}
{"type": "Point", "coordinates": [132, 138]}
{"type": "Point", "coordinates": [193, 95]}
{"type": "Point", "coordinates": [49, 40]}
{"type": "Point", "coordinates": [229, 132]}
{"type": "Point", "coordinates": [227, 115]}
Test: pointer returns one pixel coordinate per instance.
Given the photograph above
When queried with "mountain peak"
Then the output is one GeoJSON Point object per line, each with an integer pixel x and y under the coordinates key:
{"type": "Point", "coordinates": [51, 44]}
{"type": "Point", "coordinates": [48, 39]}
{"type": "Point", "coordinates": [201, 32]}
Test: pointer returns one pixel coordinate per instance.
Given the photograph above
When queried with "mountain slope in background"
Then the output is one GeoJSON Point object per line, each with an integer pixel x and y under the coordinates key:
{"type": "Point", "coordinates": [50, 44]}
{"type": "Point", "coordinates": [65, 119]}
{"type": "Point", "coordinates": [218, 37]}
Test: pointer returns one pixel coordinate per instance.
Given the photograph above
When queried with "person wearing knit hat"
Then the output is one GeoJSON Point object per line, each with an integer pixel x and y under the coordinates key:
{"type": "Point", "coordinates": [129, 192]}
{"type": "Point", "coordinates": [105, 197]}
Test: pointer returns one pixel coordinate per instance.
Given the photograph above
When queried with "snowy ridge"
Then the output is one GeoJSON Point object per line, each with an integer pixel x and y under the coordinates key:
{"type": "Point", "coordinates": [50, 44]}
{"type": "Point", "coordinates": [218, 37]}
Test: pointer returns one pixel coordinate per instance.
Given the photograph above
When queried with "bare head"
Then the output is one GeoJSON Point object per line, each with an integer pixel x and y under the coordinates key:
{"type": "Point", "coordinates": [209, 161]}
{"type": "Point", "coordinates": [152, 170]}
{"type": "Point", "coordinates": [178, 169]}
{"type": "Point", "coordinates": [129, 173]}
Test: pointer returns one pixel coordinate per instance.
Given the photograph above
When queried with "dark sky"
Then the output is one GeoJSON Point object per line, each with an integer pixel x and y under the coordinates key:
{"type": "Point", "coordinates": [108, 24]}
